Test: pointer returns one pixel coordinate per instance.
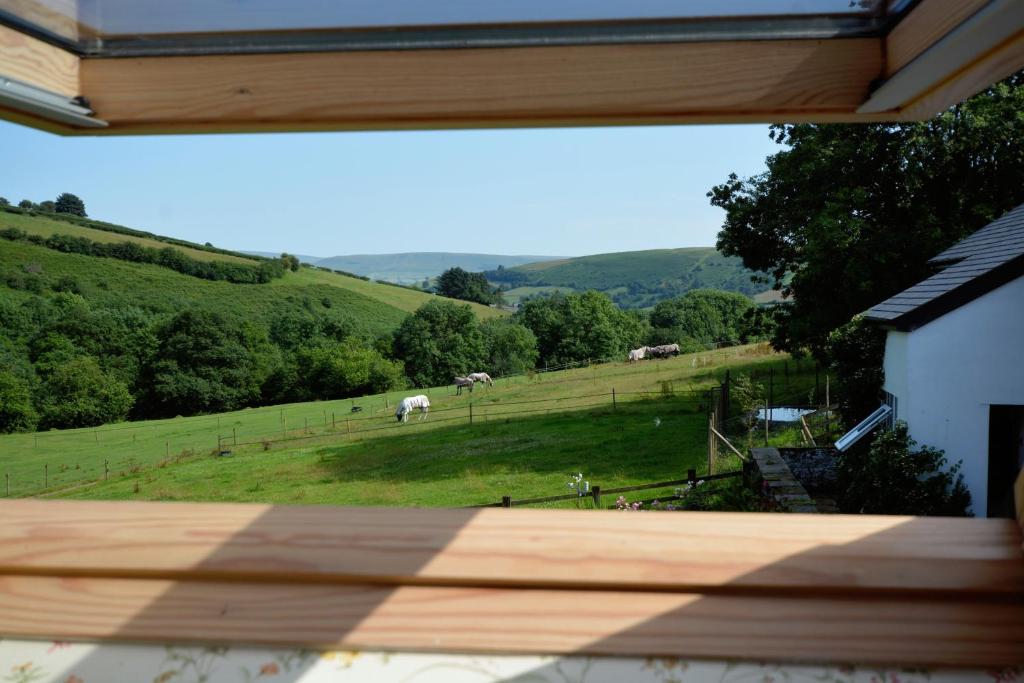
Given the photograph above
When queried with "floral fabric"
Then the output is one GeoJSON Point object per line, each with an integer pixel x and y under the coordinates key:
{"type": "Point", "coordinates": [23, 661]}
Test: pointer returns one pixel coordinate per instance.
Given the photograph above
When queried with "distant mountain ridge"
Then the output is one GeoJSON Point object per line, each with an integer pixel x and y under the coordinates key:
{"type": "Point", "coordinates": [414, 267]}
{"type": "Point", "coordinates": [633, 279]}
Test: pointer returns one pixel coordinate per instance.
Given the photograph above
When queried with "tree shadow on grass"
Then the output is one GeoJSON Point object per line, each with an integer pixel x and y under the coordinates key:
{"type": "Point", "coordinates": [604, 444]}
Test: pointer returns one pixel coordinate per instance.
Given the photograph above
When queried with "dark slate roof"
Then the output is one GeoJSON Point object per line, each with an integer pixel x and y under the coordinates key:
{"type": "Point", "coordinates": [978, 264]}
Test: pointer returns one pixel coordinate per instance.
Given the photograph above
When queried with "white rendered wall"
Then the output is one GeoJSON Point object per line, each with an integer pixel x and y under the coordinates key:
{"type": "Point", "coordinates": [946, 374]}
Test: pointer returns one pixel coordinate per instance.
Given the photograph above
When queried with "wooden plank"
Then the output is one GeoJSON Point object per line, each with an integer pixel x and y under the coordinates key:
{"type": "Point", "coordinates": [922, 27]}
{"type": "Point", "coordinates": [583, 85]}
{"type": "Point", "coordinates": [939, 632]}
{"type": "Point", "coordinates": [1001, 62]}
{"type": "Point", "coordinates": [32, 61]}
{"type": "Point", "coordinates": [723, 552]}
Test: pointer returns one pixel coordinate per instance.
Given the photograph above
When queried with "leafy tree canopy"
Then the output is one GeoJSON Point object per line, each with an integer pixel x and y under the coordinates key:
{"type": "Point", "coordinates": [700, 317]}
{"type": "Point", "coordinates": [439, 341]}
{"type": "Point", "coordinates": [848, 215]}
{"type": "Point", "coordinates": [77, 393]}
{"type": "Point", "coordinates": [69, 203]}
{"type": "Point", "coordinates": [575, 327]}
{"type": "Point", "coordinates": [457, 283]}
{"type": "Point", "coordinates": [16, 411]}
{"type": "Point", "coordinates": [511, 347]}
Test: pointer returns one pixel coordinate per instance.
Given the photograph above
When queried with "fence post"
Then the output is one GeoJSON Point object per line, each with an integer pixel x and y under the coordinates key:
{"type": "Point", "coordinates": [219, 446]}
{"type": "Point", "coordinates": [506, 501]}
{"type": "Point", "coordinates": [771, 392]}
{"type": "Point", "coordinates": [348, 428]}
{"type": "Point", "coordinates": [305, 421]}
{"type": "Point", "coordinates": [7, 477]}
{"type": "Point", "coordinates": [614, 405]}
{"type": "Point", "coordinates": [596, 492]}
{"type": "Point", "coordinates": [766, 423]}
{"type": "Point", "coordinates": [725, 397]}
{"type": "Point", "coordinates": [106, 469]}
{"type": "Point", "coordinates": [333, 422]}
{"type": "Point", "coordinates": [470, 413]}
{"type": "Point", "coordinates": [46, 476]}
{"type": "Point", "coordinates": [234, 437]}
{"type": "Point", "coordinates": [691, 477]}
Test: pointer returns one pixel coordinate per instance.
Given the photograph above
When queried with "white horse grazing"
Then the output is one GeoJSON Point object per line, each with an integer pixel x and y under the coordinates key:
{"type": "Point", "coordinates": [407, 405]}
{"type": "Point", "coordinates": [463, 382]}
{"type": "Point", "coordinates": [481, 377]}
{"type": "Point", "coordinates": [637, 354]}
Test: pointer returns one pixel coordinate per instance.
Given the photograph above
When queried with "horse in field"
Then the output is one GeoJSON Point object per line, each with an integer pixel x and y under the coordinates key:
{"type": "Point", "coordinates": [663, 351]}
{"type": "Point", "coordinates": [407, 405]}
{"type": "Point", "coordinates": [481, 377]}
{"type": "Point", "coordinates": [638, 354]}
{"type": "Point", "coordinates": [461, 382]}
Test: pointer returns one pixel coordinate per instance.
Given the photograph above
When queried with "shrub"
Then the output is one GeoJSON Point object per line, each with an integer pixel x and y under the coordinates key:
{"type": "Point", "coordinates": [891, 477]}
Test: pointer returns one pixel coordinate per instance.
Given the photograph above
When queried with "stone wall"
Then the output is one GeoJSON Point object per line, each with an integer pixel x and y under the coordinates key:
{"type": "Point", "coordinates": [815, 468]}
{"type": "Point", "coordinates": [778, 484]}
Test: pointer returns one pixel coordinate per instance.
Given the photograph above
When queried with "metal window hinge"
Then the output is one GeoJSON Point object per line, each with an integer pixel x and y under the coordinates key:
{"type": "Point", "coordinates": [52, 106]}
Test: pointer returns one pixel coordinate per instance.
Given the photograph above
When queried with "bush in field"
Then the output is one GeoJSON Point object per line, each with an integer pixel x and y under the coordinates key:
{"type": "Point", "coordinates": [16, 411]}
{"type": "Point", "coordinates": [77, 393]}
{"type": "Point", "coordinates": [892, 477]}
{"type": "Point", "coordinates": [439, 341]}
{"type": "Point", "coordinates": [511, 348]}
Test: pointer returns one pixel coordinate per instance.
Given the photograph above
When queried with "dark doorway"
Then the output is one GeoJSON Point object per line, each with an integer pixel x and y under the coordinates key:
{"type": "Point", "coordinates": [1005, 457]}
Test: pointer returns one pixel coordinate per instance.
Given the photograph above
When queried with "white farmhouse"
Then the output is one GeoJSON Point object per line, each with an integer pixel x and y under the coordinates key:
{"type": "Point", "coordinates": [954, 359]}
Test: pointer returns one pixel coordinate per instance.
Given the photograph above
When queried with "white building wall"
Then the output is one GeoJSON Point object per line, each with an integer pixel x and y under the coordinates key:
{"type": "Point", "coordinates": [946, 374]}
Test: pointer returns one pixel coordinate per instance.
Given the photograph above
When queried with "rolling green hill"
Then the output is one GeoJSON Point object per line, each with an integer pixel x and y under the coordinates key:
{"type": "Point", "coordinates": [635, 279]}
{"type": "Point", "coordinates": [381, 306]}
{"type": "Point", "coordinates": [414, 267]}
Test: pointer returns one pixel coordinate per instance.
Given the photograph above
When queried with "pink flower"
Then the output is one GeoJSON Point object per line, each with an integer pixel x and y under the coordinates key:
{"type": "Point", "coordinates": [270, 669]}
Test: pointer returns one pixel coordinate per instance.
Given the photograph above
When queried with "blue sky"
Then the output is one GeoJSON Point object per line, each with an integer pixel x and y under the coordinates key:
{"type": "Point", "coordinates": [561, 192]}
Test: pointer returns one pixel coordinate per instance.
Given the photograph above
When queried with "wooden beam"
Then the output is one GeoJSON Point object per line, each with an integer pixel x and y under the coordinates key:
{"type": "Point", "coordinates": [1001, 62]}
{"type": "Point", "coordinates": [585, 85]}
{"type": "Point", "coordinates": [929, 21]}
{"type": "Point", "coordinates": [450, 619]}
{"type": "Point", "coordinates": [40, 64]}
{"type": "Point", "coordinates": [782, 553]}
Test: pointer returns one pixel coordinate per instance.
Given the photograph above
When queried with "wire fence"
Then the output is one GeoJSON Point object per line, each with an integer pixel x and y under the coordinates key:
{"type": "Point", "coordinates": [56, 461]}
{"type": "Point", "coordinates": [97, 465]}
{"type": "Point", "coordinates": [596, 492]}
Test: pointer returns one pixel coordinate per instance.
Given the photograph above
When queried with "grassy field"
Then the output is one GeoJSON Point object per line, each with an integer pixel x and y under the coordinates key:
{"type": "Point", "coordinates": [513, 296]}
{"type": "Point", "coordinates": [160, 285]}
{"type": "Point", "coordinates": [401, 298]}
{"type": "Point", "coordinates": [527, 435]}
{"type": "Point", "coordinates": [110, 282]}
{"type": "Point", "coordinates": [43, 226]}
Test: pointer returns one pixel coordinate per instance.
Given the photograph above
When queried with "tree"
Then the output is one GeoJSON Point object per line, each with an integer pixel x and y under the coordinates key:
{"type": "Point", "coordinates": [78, 393]}
{"type": "Point", "coordinates": [46, 206]}
{"type": "Point", "coordinates": [16, 411]}
{"type": "Point", "coordinates": [4, 202]}
{"type": "Point", "coordinates": [700, 317]}
{"type": "Point", "coordinates": [342, 369]}
{"type": "Point", "coordinates": [891, 477]}
{"type": "Point", "coordinates": [291, 262]}
{"type": "Point", "coordinates": [511, 348]}
{"type": "Point", "coordinates": [25, 204]}
{"type": "Point", "coordinates": [848, 215]}
{"type": "Point", "coordinates": [575, 327]}
{"type": "Point", "coordinates": [457, 283]}
{"type": "Point", "coordinates": [205, 362]}
{"type": "Point", "coordinates": [69, 203]}
{"type": "Point", "coordinates": [439, 341]}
